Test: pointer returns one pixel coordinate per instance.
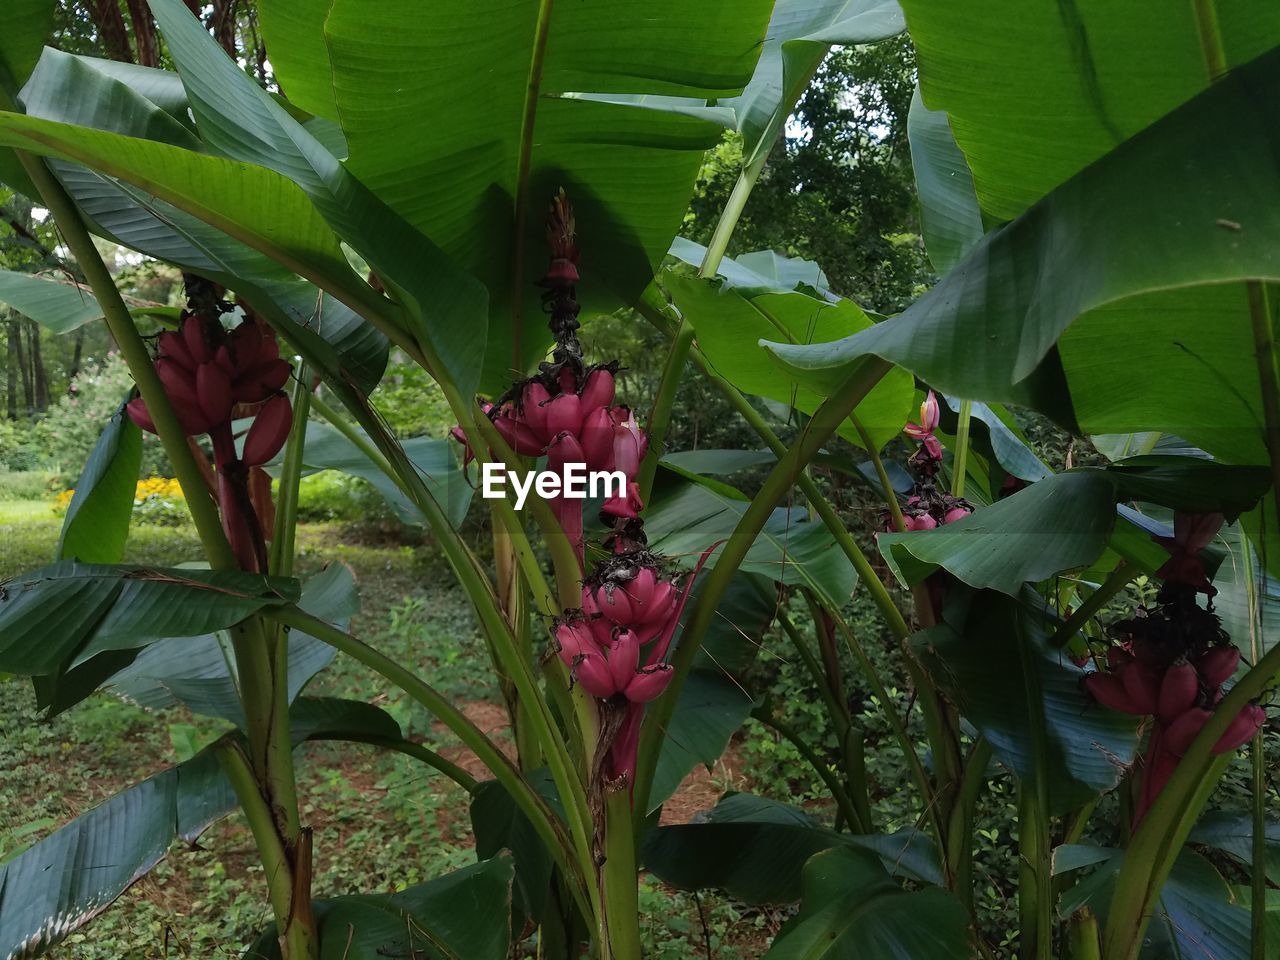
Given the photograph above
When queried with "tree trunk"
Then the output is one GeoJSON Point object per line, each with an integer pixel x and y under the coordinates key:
{"type": "Point", "coordinates": [144, 33]}
{"type": "Point", "coordinates": [111, 29]}
{"type": "Point", "coordinates": [223, 22]}
{"type": "Point", "coordinates": [39, 381]}
{"type": "Point", "coordinates": [74, 370]}
{"type": "Point", "coordinates": [24, 371]}
{"type": "Point", "coordinates": [13, 370]}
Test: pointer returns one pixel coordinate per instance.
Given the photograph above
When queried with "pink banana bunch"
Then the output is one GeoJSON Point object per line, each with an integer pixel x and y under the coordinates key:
{"type": "Point", "coordinates": [210, 376]}
{"type": "Point", "coordinates": [1171, 665]}
{"type": "Point", "coordinates": [566, 411]}
{"type": "Point", "coordinates": [617, 643]}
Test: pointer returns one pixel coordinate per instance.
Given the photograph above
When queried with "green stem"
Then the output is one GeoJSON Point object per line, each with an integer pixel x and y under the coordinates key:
{"type": "Point", "coordinates": [838, 794]}
{"type": "Point", "coordinates": [485, 602]}
{"type": "Point", "coordinates": [1211, 49]}
{"type": "Point", "coordinates": [1265, 351]}
{"type": "Point", "coordinates": [1035, 887]}
{"type": "Point", "coordinates": [284, 535]}
{"type": "Point", "coordinates": [1117, 580]}
{"type": "Point", "coordinates": [294, 921]}
{"type": "Point", "coordinates": [524, 160]}
{"type": "Point", "coordinates": [961, 464]}
{"type": "Point", "coordinates": [424, 755]}
{"type": "Point", "coordinates": [1035, 883]}
{"type": "Point", "coordinates": [620, 880]}
{"type": "Point", "coordinates": [866, 573]}
{"type": "Point", "coordinates": [1084, 944]}
{"type": "Point", "coordinates": [164, 313]}
{"type": "Point", "coordinates": [119, 321]}
{"type": "Point", "coordinates": [928, 797]}
{"type": "Point", "coordinates": [890, 497]}
{"type": "Point", "coordinates": [847, 730]}
{"type": "Point", "coordinates": [544, 821]}
{"type": "Point", "coordinates": [1258, 784]}
{"type": "Point", "coordinates": [824, 423]}
{"type": "Point", "coordinates": [730, 216]}
{"type": "Point", "coordinates": [663, 403]}
{"type": "Point", "coordinates": [960, 827]}
{"type": "Point", "coordinates": [361, 442]}
{"type": "Point", "coordinates": [270, 751]}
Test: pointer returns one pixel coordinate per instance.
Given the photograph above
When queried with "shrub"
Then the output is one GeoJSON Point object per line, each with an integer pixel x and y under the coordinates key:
{"type": "Point", "coordinates": [330, 495]}
{"type": "Point", "coordinates": [70, 429]}
{"type": "Point", "coordinates": [27, 484]}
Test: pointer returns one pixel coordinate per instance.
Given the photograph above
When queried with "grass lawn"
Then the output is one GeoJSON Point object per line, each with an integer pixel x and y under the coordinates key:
{"type": "Point", "coordinates": [381, 821]}
{"type": "Point", "coordinates": [21, 511]}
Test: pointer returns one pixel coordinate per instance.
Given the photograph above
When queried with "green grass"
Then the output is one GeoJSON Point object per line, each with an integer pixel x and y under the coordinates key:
{"type": "Point", "coordinates": [26, 511]}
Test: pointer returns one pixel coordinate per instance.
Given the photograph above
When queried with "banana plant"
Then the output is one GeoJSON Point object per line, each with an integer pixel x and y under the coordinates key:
{"type": "Point", "coordinates": [393, 202]}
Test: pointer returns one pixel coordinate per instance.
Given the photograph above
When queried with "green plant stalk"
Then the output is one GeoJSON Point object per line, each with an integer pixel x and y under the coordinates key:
{"type": "Point", "coordinates": [294, 920]}
{"type": "Point", "coordinates": [866, 574]}
{"type": "Point", "coordinates": [425, 755]}
{"type": "Point", "coordinates": [544, 820]}
{"type": "Point", "coordinates": [824, 423]}
{"type": "Point", "coordinates": [619, 879]}
{"type": "Point", "coordinates": [844, 802]}
{"type": "Point", "coordinates": [284, 535]}
{"type": "Point", "coordinates": [279, 765]}
{"type": "Point", "coordinates": [360, 441]}
{"type": "Point", "coordinates": [852, 741]}
{"type": "Point", "coordinates": [960, 827]}
{"type": "Point", "coordinates": [653, 307]}
{"type": "Point", "coordinates": [961, 463]}
{"type": "Point", "coordinates": [120, 323]}
{"type": "Point", "coordinates": [524, 160]}
{"type": "Point", "coordinates": [1258, 783]}
{"type": "Point", "coordinates": [172, 314]}
{"type": "Point", "coordinates": [940, 721]}
{"type": "Point", "coordinates": [1265, 348]}
{"type": "Point", "coordinates": [1117, 580]}
{"type": "Point", "coordinates": [271, 751]}
{"type": "Point", "coordinates": [855, 766]}
{"type": "Point", "coordinates": [730, 216]}
{"type": "Point", "coordinates": [928, 797]}
{"type": "Point", "coordinates": [1035, 887]}
{"type": "Point", "coordinates": [569, 781]}
{"type": "Point", "coordinates": [1083, 937]}
{"type": "Point", "coordinates": [663, 403]}
{"type": "Point", "coordinates": [890, 497]}
{"type": "Point", "coordinates": [682, 337]}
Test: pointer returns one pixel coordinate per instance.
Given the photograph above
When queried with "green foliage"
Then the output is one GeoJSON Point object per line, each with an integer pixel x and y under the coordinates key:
{"type": "Point", "coordinates": [28, 485]}
{"type": "Point", "coordinates": [838, 189]}
{"type": "Point", "coordinates": [70, 429]}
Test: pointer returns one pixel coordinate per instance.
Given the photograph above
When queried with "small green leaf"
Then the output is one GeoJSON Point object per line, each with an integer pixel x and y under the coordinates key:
{"type": "Point", "coordinates": [851, 910]}
{"type": "Point", "coordinates": [97, 521]}
{"type": "Point", "coordinates": [59, 306]}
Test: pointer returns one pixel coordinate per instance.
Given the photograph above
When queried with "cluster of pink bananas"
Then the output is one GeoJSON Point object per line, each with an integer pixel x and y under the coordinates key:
{"type": "Point", "coordinates": [569, 415]}
{"type": "Point", "coordinates": [1172, 663]}
{"type": "Point", "coordinates": [616, 644]}
{"type": "Point", "coordinates": [210, 377]}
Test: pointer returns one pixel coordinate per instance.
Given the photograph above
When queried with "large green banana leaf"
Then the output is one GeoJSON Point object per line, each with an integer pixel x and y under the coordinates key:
{"type": "Point", "coordinates": [139, 102]}
{"type": "Point", "coordinates": [455, 117]}
{"type": "Point", "coordinates": [1117, 302]}
{"type": "Point", "coordinates": [1036, 93]}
